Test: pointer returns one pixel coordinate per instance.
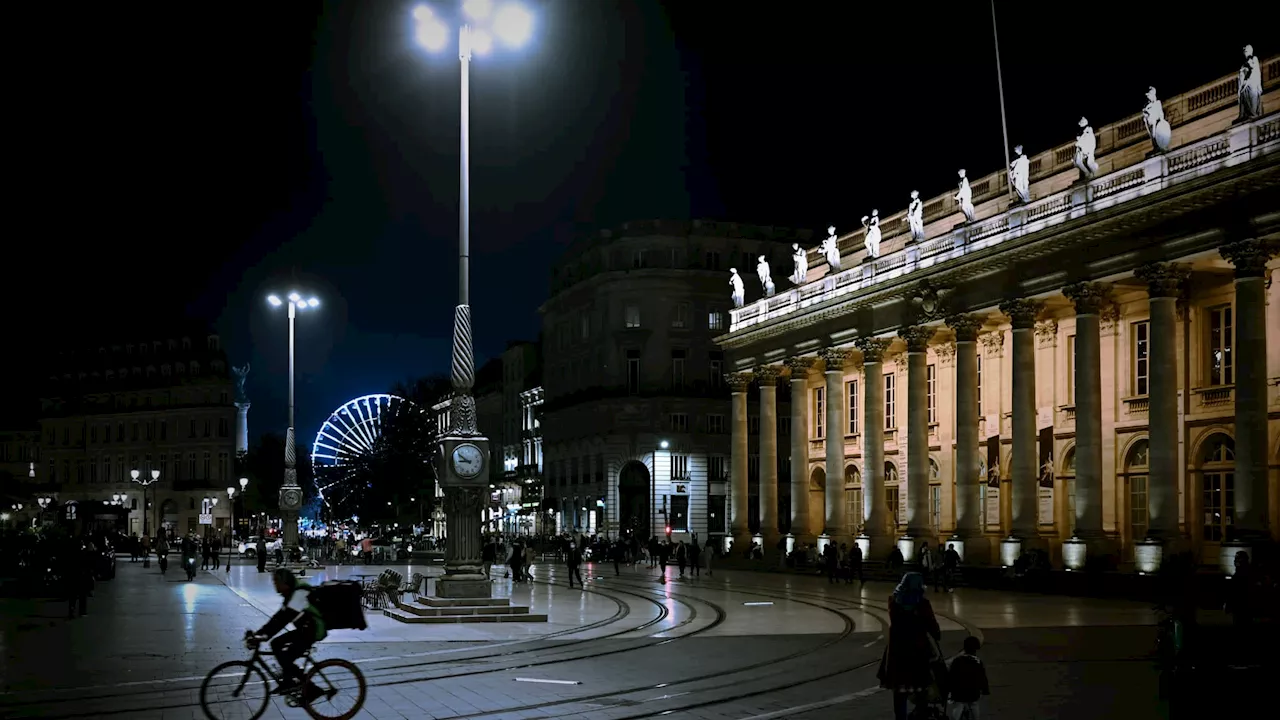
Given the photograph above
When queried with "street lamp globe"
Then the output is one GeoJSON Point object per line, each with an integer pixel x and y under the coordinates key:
{"type": "Point", "coordinates": [155, 475]}
{"type": "Point", "coordinates": [231, 491]}
{"type": "Point", "coordinates": [244, 482]}
{"type": "Point", "coordinates": [134, 474]}
{"type": "Point", "coordinates": [513, 25]}
{"type": "Point", "coordinates": [664, 444]}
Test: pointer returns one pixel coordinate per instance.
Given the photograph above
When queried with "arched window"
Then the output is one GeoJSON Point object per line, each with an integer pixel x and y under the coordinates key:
{"type": "Point", "coordinates": [1217, 464]}
{"type": "Point", "coordinates": [892, 496]}
{"type": "Point", "coordinates": [1136, 469]}
{"type": "Point", "coordinates": [1069, 482]}
{"type": "Point", "coordinates": [852, 500]}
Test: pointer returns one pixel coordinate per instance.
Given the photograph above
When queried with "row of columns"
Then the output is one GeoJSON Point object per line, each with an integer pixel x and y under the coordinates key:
{"type": "Point", "coordinates": [1166, 283]}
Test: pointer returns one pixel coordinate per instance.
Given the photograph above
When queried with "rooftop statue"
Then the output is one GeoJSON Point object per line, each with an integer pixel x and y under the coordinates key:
{"type": "Point", "coordinates": [915, 216]}
{"type": "Point", "coordinates": [737, 293]}
{"type": "Point", "coordinates": [965, 198]}
{"type": "Point", "coordinates": [766, 282]}
{"type": "Point", "coordinates": [1157, 127]}
{"type": "Point", "coordinates": [1086, 146]}
{"type": "Point", "coordinates": [831, 250]}
{"type": "Point", "coordinates": [872, 238]}
{"type": "Point", "coordinates": [1020, 175]}
{"type": "Point", "coordinates": [1250, 86]}
{"type": "Point", "coordinates": [801, 260]}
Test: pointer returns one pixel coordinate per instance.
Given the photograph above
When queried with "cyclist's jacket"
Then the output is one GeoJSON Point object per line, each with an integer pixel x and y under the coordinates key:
{"type": "Point", "coordinates": [298, 610]}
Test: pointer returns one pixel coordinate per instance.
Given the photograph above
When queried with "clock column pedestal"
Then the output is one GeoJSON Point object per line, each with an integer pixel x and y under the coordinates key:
{"type": "Point", "coordinates": [464, 501]}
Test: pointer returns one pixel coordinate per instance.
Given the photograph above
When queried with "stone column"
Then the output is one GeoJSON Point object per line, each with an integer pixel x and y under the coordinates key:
{"type": "Point", "coordinates": [1165, 284]}
{"type": "Point", "coordinates": [800, 448]}
{"type": "Point", "coordinates": [919, 526]}
{"type": "Point", "coordinates": [242, 428]}
{"type": "Point", "coordinates": [1089, 299]}
{"type": "Point", "coordinates": [834, 525]}
{"type": "Point", "coordinates": [1025, 464]}
{"type": "Point", "coordinates": [968, 496]}
{"type": "Point", "coordinates": [767, 377]}
{"type": "Point", "coordinates": [1251, 497]}
{"type": "Point", "coordinates": [874, 512]}
{"type": "Point", "coordinates": [738, 383]}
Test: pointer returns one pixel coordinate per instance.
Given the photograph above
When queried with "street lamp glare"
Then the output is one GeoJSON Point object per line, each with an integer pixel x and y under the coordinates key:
{"type": "Point", "coordinates": [243, 483]}
{"type": "Point", "coordinates": [231, 491]}
{"type": "Point", "coordinates": [481, 42]}
{"type": "Point", "coordinates": [313, 302]}
{"type": "Point", "coordinates": [432, 34]}
{"type": "Point", "coordinates": [275, 301]}
{"type": "Point", "coordinates": [295, 297]}
{"type": "Point", "coordinates": [513, 24]}
{"type": "Point", "coordinates": [422, 13]}
{"type": "Point", "coordinates": [155, 475]}
{"type": "Point", "coordinates": [664, 444]}
{"type": "Point", "coordinates": [478, 9]}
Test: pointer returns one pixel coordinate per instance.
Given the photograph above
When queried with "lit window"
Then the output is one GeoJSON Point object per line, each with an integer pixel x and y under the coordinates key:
{"type": "Point", "coordinates": [1221, 335]}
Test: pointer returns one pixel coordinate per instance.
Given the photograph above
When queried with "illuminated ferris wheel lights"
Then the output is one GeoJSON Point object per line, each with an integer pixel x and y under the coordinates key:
{"type": "Point", "coordinates": [351, 431]}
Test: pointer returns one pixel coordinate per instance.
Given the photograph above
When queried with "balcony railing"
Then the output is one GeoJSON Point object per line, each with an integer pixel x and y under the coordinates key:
{"type": "Point", "coordinates": [1235, 145]}
{"type": "Point", "coordinates": [1214, 398]}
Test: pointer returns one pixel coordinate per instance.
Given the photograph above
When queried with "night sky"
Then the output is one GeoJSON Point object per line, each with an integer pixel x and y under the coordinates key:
{"type": "Point", "coordinates": [191, 161]}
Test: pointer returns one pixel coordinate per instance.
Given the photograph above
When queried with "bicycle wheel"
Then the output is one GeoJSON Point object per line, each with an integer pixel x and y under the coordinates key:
{"type": "Point", "coordinates": [343, 688]}
{"type": "Point", "coordinates": [235, 690]}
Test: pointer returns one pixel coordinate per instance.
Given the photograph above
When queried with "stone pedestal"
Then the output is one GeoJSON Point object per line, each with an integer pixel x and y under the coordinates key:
{"type": "Point", "coordinates": [1010, 551]}
{"type": "Point", "coordinates": [973, 550]}
{"type": "Point", "coordinates": [1227, 556]}
{"type": "Point", "coordinates": [1075, 552]}
{"type": "Point", "coordinates": [464, 573]}
{"type": "Point", "coordinates": [907, 546]}
{"type": "Point", "coordinates": [875, 548]}
{"type": "Point", "coordinates": [1147, 556]}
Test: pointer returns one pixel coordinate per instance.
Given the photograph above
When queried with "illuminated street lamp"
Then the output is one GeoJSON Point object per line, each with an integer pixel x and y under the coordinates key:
{"type": "Point", "coordinates": [290, 492]}
{"type": "Point", "coordinates": [145, 482]}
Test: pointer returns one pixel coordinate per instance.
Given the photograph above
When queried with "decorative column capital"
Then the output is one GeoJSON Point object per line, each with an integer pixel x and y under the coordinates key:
{"type": "Point", "coordinates": [917, 337]}
{"type": "Point", "coordinates": [1047, 332]}
{"type": "Point", "coordinates": [1022, 311]}
{"type": "Point", "coordinates": [1164, 280]}
{"type": "Point", "coordinates": [799, 366]}
{"type": "Point", "coordinates": [1249, 256]}
{"type": "Point", "coordinates": [1089, 298]}
{"type": "Point", "coordinates": [767, 375]}
{"type": "Point", "coordinates": [992, 342]}
{"type": "Point", "coordinates": [946, 353]}
{"type": "Point", "coordinates": [834, 358]}
{"type": "Point", "coordinates": [873, 348]}
{"type": "Point", "coordinates": [738, 381]}
{"type": "Point", "coordinates": [965, 327]}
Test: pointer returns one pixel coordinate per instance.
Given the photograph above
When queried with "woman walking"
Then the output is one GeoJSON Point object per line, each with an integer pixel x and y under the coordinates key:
{"type": "Point", "coordinates": [905, 667]}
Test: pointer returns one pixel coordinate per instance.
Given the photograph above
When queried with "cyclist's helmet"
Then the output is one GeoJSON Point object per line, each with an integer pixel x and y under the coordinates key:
{"type": "Point", "coordinates": [285, 577]}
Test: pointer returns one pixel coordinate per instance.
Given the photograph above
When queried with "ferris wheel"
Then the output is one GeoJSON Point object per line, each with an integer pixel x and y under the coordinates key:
{"type": "Point", "coordinates": [350, 432]}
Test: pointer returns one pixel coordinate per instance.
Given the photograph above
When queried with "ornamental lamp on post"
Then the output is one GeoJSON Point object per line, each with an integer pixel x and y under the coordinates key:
{"type": "Point", "coordinates": [290, 491]}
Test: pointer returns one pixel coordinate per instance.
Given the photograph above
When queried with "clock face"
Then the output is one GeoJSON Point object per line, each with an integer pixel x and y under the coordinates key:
{"type": "Point", "coordinates": [468, 460]}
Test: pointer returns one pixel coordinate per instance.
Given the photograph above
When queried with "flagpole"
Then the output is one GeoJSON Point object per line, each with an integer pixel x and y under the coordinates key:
{"type": "Point", "coordinates": [1004, 123]}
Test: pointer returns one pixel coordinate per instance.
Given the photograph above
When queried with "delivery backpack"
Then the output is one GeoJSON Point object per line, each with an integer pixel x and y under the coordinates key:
{"type": "Point", "coordinates": [339, 603]}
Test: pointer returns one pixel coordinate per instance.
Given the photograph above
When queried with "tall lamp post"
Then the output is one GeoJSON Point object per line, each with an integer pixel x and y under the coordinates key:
{"type": "Point", "coordinates": [145, 481]}
{"type": "Point", "coordinates": [231, 506]}
{"type": "Point", "coordinates": [464, 452]}
{"type": "Point", "coordinates": [290, 491]}
{"type": "Point", "coordinates": [653, 489]}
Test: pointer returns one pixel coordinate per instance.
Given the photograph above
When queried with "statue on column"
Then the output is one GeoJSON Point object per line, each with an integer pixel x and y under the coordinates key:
{"type": "Point", "coordinates": [1020, 175]}
{"type": "Point", "coordinates": [1086, 146]}
{"type": "Point", "coordinates": [240, 374]}
{"type": "Point", "coordinates": [831, 250]}
{"type": "Point", "coordinates": [965, 198]}
{"type": "Point", "coordinates": [762, 271]}
{"type": "Point", "coordinates": [801, 260]}
{"type": "Point", "coordinates": [872, 239]}
{"type": "Point", "coordinates": [1250, 87]}
{"type": "Point", "coordinates": [738, 293]}
{"type": "Point", "coordinates": [1157, 127]}
{"type": "Point", "coordinates": [915, 216]}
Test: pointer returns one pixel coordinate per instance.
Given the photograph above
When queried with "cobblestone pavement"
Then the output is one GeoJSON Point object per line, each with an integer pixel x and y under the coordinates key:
{"type": "Point", "coordinates": [737, 645]}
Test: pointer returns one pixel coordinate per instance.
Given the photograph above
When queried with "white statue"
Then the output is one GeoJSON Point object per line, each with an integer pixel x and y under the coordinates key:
{"type": "Point", "coordinates": [801, 260]}
{"type": "Point", "coordinates": [1086, 145]}
{"type": "Point", "coordinates": [762, 271]}
{"type": "Point", "coordinates": [965, 198]}
{"type": "Point", "coordinates": [1153, 117]}
{"type": "Point", "coordinates": [738, 293]}
{"type": "Point", "coordinates": [872, 239]}
{"type": "Point", "coordinates": [1250, 86]}
{"type": "Point", "coordinates": [831, 250]}
{"type": "Point", "coordinates": [915, 216]}
{"type": "Point", "coordinates": [1020, 175]}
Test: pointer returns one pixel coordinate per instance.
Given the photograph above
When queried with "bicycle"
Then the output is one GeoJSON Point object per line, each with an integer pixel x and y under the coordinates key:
{"type": "Point", "coordinates": [243, 677]}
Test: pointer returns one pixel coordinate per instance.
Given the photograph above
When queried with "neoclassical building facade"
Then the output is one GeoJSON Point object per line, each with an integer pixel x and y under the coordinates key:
{"type": "Point", "coordinates": [1093, 370]}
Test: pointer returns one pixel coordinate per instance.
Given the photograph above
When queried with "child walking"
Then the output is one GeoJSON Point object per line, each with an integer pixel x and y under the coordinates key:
{"type": "Point", "coordinates": [967, 682]}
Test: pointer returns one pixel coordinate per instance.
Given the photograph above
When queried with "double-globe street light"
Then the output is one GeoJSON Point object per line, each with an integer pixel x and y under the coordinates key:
{"type": "Point", "coordinates": [145, 481]}
{"type": "Point", "coordinates": [231, 506]}
{"type": "Point", "coordinates": [290, 492]}
{"type": "Point", "coordinates": [464, 452]}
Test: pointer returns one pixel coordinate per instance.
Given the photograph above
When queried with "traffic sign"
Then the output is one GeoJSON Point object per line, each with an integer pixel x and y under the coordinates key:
{"type": "Point", "coordinates": [206, 518]}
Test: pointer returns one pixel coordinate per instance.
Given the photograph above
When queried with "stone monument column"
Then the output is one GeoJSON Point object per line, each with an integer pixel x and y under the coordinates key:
{"type": "Point", "coordinates": [1025, 463]}
{"type": "Point", "coordinates": [242, 428]}
{"type": "Point", "coordinates": [967, 475]}
{"type": "Point", "coordinates": [767, 378]}
{"type": "Point", "coordinates": [1251, 493]}
{"type": "Point", "coordinates": [800, 448]}
{"type": "Point", "coordinates": [834, 525]}
{"type": "Point", "coordinates": [1165, 283]}
{"type": "Point", "coordinates": [1089, 299]}
{"type": "Point", "coordinates": [919, 527]}
{"type": "Point", "coordinates": [876, 538]}
{"type": "Point", "coordinates": [738, 383]}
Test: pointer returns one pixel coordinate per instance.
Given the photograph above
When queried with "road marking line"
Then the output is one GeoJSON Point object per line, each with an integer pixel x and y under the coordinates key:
{"type": "Point", "coordinates": [791, 711]}
{"type": "Point", "coordinates": [549, 682]}
{"type": "Point", "coordinates": [756, 604]}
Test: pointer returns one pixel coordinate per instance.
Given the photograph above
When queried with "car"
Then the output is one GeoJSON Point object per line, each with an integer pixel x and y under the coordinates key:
{"type": "Point", "coordinates": [249, 548]}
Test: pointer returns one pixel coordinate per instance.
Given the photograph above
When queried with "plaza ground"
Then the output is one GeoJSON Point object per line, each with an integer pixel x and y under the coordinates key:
{"type": "Point", "coordinates": [737, 645]}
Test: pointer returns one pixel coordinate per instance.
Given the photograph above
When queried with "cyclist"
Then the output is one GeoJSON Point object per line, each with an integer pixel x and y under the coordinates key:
{"type": "Point", "coordinates": [308, 630]}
